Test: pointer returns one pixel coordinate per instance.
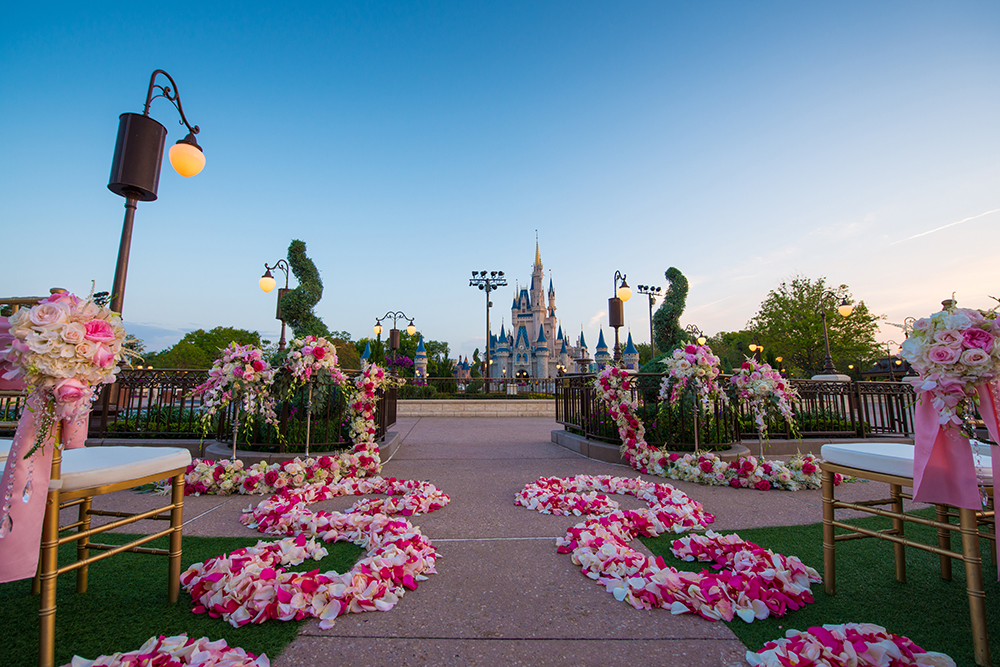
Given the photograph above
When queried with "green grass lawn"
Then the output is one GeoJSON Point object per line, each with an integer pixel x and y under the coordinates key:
{"type": "Point", "coordinates": [932, 612]}
{"type": "Point", "coordinates": [126, 604]}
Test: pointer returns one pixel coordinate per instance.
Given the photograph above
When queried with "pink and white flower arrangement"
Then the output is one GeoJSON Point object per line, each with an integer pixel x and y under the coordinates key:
{"type": "Point", "coordinates": [846, 645]}
{"type": "Point", "coordinates": [746, 472]}
{"type": "Point", "coordinates": [766, 392]}
{"type": "Point", "coordinates": [241, 373]}
{"type": "Point", "coordinates": [311, 355]}
{"type": "Point", "coordinates": [954, 350]}
{"type": "Point", "coordinates": [694, 367]}
{"type": "Point", "coordinates": [63, 347]}
{"type": "Point", "coordinates": [229, 477]}
{"type": "Point", "coordinates": [178, 651]}
{"type": "Point", "coordinates": [614, 389]}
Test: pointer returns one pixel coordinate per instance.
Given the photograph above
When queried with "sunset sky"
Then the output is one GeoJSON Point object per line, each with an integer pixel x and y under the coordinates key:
{"type": "Point", "coordinates": [410, 143]}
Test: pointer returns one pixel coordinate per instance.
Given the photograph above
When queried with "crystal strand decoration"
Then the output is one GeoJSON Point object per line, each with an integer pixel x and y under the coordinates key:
{"type": "Point", "coordinates": [26, 494]}
{"type": "Point", "coordinates": [6, 522]}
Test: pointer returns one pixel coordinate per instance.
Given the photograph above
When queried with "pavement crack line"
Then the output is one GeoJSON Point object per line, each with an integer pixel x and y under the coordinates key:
{"type": "Point", "coordinates": [193, 519]}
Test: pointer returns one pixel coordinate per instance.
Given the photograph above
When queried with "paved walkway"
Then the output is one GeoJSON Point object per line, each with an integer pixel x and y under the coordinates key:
{"type": "Point", "coordinates": [502, 595]}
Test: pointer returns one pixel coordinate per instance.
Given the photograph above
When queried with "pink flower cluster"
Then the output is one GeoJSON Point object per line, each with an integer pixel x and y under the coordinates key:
{"type": "Point", "coordinates": [614, 389]}
{"type": "Point", "coordinates": [63, 347]}
{"type": "Point", "coordinates": [178, 651]}
{"type": "Point", "coordinates": [250, 586]}
{"type": "Point", "coordinates": [847, 645]}
{"type": "Point", "coordinates": [747, 472]}
{"type": "Point", "coordinates": [239, 374]}
{"type": "Point", "coordinates": [692, 366]}
{"type": "Point", "coordinates": [953, 351]}
{"type": "Point", "coordinates": [310, 355]}
{"type": "Point", "coordinates": [753, 584]}
{"type": "Point", "coordinates": [766, 392]}
{"type": "Point", "coordinates": [669, 509]}
{"type": "Point", "coordinates": [226, 477]}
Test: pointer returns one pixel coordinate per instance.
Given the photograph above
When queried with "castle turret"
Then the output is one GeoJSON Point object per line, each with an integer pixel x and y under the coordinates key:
{"type": "Point", "coordinates": [601, 355]}
{"type": "Point", "coordinates": [366, 355]}
{"type": "Point", "coordinates": [541, 355]}
{"type": "Point", "coordinates": [420, 359]}
{"type": "Point", "coordinates": [630, 357]}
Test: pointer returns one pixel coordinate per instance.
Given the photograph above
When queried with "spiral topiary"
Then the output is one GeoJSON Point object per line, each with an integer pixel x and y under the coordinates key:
{"type": "Point", "coordinates": [297, 305]}
{"type": "Point", "coordinates": [667, 331]}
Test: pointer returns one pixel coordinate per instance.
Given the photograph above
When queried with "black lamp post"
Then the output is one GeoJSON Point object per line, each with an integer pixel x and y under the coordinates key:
{"type": "Point", "coordinates": [267, 284]}
{"type": "Point", "coordinates": [616, 309]}
{"type": "Point", "coordinates": [844, 309]}
{"type": "Point", "coordinates": [394, 332]}
{"type": "Point", "coordinates": [696, 334]}
{"type": "Point", "coordinates": [487, 283]}
{"type": "Point", "coordinates": [652, 293]}
{"type": "Point", "coordinates": [889, 360]}
{"type": "Point", "coordinates": [135, 169]}
{"type": "Point", "coordinates": [757, 350]}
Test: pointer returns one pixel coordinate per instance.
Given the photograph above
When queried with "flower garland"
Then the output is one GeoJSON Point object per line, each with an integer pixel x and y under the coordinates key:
{"type": "Point", "coordinates": [692, 366]}
{"type": "Point", "coordinates": [753, 583]}
{"type": "Point", "coordinates": [249, 585]}
{"type": "Point", "coordinates": [240, 373]}
{"type": "Point", "coordinates": [953, 351]}
{"type": "Point", "coordinates": [846, 645]}
{"type": "Point", "coordinates": [766, 392]}
{"type": "Point", "coordinates": [178, 651]}
{"type": "Point", "coordinates": [226, 477]}
{"type": "Point", "coordinates": [310, 355]}
{"type": "Point", "coordinates": [63, 347]}
{"type": "Point", "coordinates": [613, 389]}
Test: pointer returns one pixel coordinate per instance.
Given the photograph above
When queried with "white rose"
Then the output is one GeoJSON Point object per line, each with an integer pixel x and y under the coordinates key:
{"type": "Point", "coordinates": [73, 332]}
{"type": "Point", "coordinates": [39, 343]}
{"type": "Point", "coordinates": [48, 314]}
{"type": "Point", "coordinates": [86, 349]}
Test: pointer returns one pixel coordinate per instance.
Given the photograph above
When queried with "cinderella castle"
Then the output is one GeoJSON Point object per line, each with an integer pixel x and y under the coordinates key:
{"type": "Point", "coordinates": [535, 346]}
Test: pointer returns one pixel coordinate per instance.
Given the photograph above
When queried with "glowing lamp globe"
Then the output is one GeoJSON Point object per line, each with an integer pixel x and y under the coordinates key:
{"type": "Point", "coordinates": [378, 328]}
{"type": "Point", "coordinates": [267, 282]}
{"type": "Point", "coordinates": [624, 292]}
{"type": "Point", "coordinates": [410, 329]}
{"type": "Point", "coordinates": [186, 157]}
{"type": "Point", "coordinates": [845, 309]}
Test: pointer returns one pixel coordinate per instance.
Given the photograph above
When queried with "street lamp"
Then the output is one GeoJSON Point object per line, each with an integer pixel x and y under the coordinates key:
{"type": "Point", "coordinates": [844, 309]}
{"type": "Point", "coordinates": [135, 169]}
{"type": "Point", "coordinates": [394, 332]}
{"type": "Point", "coordinates": [487, 283]}
{"type": "Point", "coordinates": [756, 350]}
{"type": "Point", "coordinates": [616, 310]}
{"type": "Point", "coordinates": [652, 293]}
{"type": "Point", "coordinates": [696, 334]}
{"type": "Point", "coordinates": [889, 360]}
{"type": "Point", "coordinates": [267, 283]}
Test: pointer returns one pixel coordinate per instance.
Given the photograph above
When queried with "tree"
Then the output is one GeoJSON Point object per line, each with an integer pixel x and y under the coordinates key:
{"type": "Point", "coordinates": [476, 370]}
{"type": "Point", "coordinates": [297, 306]}
{"type": "Point", "coordinates": [198, 349]}
{"type": "Point", "coordinates": [789, 324]}
{"type": "Point", "coordinates": [667, 330]}
{"type": "Point", "coordinates": [732, 348]}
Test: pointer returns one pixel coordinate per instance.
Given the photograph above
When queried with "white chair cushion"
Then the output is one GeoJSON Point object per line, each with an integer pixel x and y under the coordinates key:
{"type": "Point", "coordinates": [87, 467]}
{"type": "Point", "coordinates": [5, 445]}
{"type": "Point", "coordinates": [891, 458]}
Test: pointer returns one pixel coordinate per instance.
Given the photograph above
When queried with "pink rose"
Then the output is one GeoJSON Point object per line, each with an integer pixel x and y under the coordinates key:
{"type": "Point", "coordinates": [975, 357]}
{"type": "Point", "coordinates": [47, 314]}
{"type": "Point", "coordinates": [99, 331]}
{"type": "Point", "coordinates": [103, 357]}
{"type": "Point", "coordinates": [258, 365]}
{"type": "Point", "coordinates": [977, 338]}
{"type": "Point", "coordinates": [319, 352]}
{"type": "Point", "coordinates": [70, 390]}
{"type": "Point", "coordinates": [763, 485]}
{"type": "Point", "coordinates": [943, 354]}
{"type": "Point", "coordinates": [948, 337]}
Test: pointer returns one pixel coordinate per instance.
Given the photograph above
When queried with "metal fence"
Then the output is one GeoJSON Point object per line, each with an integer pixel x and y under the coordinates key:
{"type": "Point", "coordinates": [158, 403]}
{"type": "Point", "coordinates": [475, 388]}
{"type": "Point", "coordinates": [823, 410]}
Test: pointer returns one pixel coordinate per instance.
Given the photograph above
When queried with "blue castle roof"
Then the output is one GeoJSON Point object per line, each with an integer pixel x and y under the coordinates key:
{"type": "Point", "coordinates": [629, 347]}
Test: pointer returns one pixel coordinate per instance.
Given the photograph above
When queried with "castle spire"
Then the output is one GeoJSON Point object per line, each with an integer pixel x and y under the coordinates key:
{"type": "Point", "coordinates": [538, 254]}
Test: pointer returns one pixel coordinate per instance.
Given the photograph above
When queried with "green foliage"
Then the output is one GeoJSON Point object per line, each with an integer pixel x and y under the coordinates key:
{"type": "Point", "coordinates": [476, 371]}
{"type": "Point", "coordinates": [732, 348]}
{"type": "Point", "coordinates": [416, 391]}
{"type": "Point", "coordinates": [789, 324]}
{"type": "Point", "coordinates": [297, 305]}
{"type": "Point", "coordinates": [645, 352]}
{"type": "Point", "coordinates": [198, 349]}
{"type": "Point", "coordinates": [667, 329]}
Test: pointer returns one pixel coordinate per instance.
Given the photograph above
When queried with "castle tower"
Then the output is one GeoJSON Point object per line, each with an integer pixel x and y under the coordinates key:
{"type": "Point", "coordinates": [630, 357]}
{"type": "Point", "coordinates": [601, 355]}
{"type": "Point", "coordinates": [419, 359]}
{"type": "Point", "coordinates": [541, 356]}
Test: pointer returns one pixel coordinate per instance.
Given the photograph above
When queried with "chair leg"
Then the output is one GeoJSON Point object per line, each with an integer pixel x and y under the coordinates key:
{"type": "Point", "coordinates": [176, 521]}
{"type": "Point", "coordinates": [974, 584]}
{"type": "Point", "coordinates": [898, 528]}
{"type": "Point", "coordinates": [82, 552]}
{"type": "Point", "coordinates": [829, 543]}
{"type": "Point", "coordinates": [49, 566]}
{"type": "Point", "coordinates": [944, 540]}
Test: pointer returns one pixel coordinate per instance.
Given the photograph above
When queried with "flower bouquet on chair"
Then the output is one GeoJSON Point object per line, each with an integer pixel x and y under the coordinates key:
{"type": "Point", "coordinates": [957, 355]}
{"type": "Point", "coordinates": [63, 348]}
{"type": "Point", "coordinates": [242, 376]}
{"type": "Point", "coordinates": [767, 394]}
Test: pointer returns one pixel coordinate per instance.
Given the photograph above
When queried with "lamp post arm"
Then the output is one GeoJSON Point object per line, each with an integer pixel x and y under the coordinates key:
{"type": "Point", "coordinates": [171, 95]}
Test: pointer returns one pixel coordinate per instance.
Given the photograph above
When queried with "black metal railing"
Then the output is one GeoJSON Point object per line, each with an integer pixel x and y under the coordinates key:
{"type": "Point", "coordinates": [823, 410]}
{"type": "Point", "coordinates": [475, 388]}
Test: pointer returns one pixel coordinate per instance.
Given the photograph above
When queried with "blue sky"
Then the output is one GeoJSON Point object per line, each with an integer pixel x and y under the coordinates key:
{"type": "Point", "coordinates": [410, 143]}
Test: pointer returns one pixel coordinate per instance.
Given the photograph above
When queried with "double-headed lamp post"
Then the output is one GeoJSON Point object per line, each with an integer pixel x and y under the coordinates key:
{"type": "Point", "coordinates": [267, 283]}
{"type": "Point", "coordinates": [616, 309]}
{"type": "Point", "coordinates": [652, 293]}
{"type": "Point", "coordinates": [394, 332]}
{"type": "Point", "coordinates": [135, 169]}
{"type": "Point", "coordinates": [757, 350]}
{"type": "Point", "coordinates": [487, 283]}
{"type": "Point", "coordinates": [844, 309]}
{"type": "Point", "coordinates": [696, 334]}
